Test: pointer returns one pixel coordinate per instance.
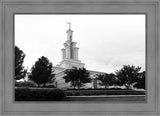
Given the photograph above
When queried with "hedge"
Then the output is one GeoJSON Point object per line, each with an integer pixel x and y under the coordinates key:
{"type": "Point", "coordinates": [103, 92]}
{"type": "Point", "coordinates": [39, 94]}
{"type": "Point", "coordinates": [25, 84]}
{"type": "Point", "coordinates": [32, 84]}
{"type": "Point", "coordinates": [97, 89]}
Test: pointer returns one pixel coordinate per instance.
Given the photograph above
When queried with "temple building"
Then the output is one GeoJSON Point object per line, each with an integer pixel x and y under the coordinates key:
{"type": "Point", "coordinates": [69, 60]}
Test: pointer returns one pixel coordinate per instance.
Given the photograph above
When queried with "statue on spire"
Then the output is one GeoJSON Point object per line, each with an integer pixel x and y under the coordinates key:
{"type": "Point", "coordinates": [69, 23]}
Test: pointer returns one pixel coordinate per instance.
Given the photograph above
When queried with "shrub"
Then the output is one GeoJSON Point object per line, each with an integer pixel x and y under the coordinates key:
{"type": "Point", "coordinates": [48, 86]}
{"type": "Point", "coordinates": [77, 93]}
{"type": "Point", "coordinates": [98, 89]}
{"type": "Point", "coordinates": [103, 92]}
{"type": "Point", "coordinates": [39, 94]}
{"type": "Point", "coordinates": [25, 84]}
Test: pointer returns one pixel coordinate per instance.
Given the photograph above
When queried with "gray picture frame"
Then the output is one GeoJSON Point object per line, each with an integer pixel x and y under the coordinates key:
{"type": "Point", "coordinates": [10, 7]}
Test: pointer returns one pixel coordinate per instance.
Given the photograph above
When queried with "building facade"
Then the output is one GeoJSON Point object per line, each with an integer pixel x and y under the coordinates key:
{"type": "Point", "coordinates": [69, 60]}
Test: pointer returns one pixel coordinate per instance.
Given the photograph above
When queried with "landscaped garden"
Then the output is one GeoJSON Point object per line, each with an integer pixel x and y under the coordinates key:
{"type": "Point", "coordinates": [37, 87]}
{"type": "Point", "coordinates": [54, 94]}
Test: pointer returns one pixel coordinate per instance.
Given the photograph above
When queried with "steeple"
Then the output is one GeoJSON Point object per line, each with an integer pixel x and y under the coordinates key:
{"type": "Point", "coordinates": [69, 35]}
{"type": "Point", "coordinates": [70, 52]}
{"type": "Point", "coordinates": [69, 32]}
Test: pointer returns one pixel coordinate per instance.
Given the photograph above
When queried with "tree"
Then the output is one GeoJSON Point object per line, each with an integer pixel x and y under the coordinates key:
{"type": "Point", "coordinates": [20, 72]}
{"type": "Point", "coordinates": [127, 75]}
{"type": "Point", "coordinates": [42, 71]}
{"type": "Point", "coordinates": [77, 77]}
{"type": "Point", "coordinates": [106, 79]}
{"type": "Point", "coordinates": [141, 81]}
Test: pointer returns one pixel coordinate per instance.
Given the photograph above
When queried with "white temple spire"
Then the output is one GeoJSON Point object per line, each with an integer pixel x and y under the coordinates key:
{"type": "Point", "coordinates": [70, 52]}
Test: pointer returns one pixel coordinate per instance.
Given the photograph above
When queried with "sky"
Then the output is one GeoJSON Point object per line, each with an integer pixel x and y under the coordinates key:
{"type": "Point", "coordinates": [106, 42]}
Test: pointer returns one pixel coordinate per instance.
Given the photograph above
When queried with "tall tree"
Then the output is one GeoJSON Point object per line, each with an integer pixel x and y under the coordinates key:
{"type": "Point", "coordinates": [127, 75]}
{"type": "Point", "coordinates": [141, 81]}
{"type": "Point", "coordinates": [20, 72]}
{"type": "Point", "coordinates": [106, 79]}
{"type": "Point", "coordinates": [77, 77]}
{"type": "Point", "coordinates": [42, 71]}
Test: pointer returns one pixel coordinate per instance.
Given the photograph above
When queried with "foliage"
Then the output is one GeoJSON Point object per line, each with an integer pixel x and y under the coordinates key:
{"type": "Point", "coordinates": [97, 89]}
{"type": "Point", "coordinates": [141, 81]}
{"type": "Point", "coordinates": [20, 72]}
{"type": "Point", "coordinates": [103, 92]}
{"type": "Point", "coordinates": [39, 94]}
{"type": "Point", "coordinates": [127, 75]}
{"type": "Point", "coordinates": [48, 86]}
{"type": "Point", "coordinates": [42, 71]}
{"type": "Point", "coordinates": [106, 79]}
{"type": "Point", "coordinates": [25, 84]}
{"type": "Point", "coordinates": [77, 77]}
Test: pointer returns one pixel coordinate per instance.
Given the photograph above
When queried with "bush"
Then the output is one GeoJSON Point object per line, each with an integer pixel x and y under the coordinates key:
{"type": "Point", "coordinates": [48, 86]}
{"type": "Point", "coordinates": [25, 84]}
{"type": "Point", "coordinates": [39, 94]}
{"type": "Point", "coordinates": [98, 89]}
{"type": "Point", "coordinates": [103, 92]}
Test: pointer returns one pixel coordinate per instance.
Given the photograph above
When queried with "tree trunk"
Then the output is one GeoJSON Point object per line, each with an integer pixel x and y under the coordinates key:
{"type": "Point", "coordinates": [105, 86]}
{"type": "Point", "coordinates": [79, 84]}
{"type": "Point", "coordinates": [78, 87]}
{"type": "Point", "coordinates": [128, 86]}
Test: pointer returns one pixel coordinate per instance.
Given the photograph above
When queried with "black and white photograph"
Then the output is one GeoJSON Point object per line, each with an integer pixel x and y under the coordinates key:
{"type": "Point", "coordinates": [80, 57]}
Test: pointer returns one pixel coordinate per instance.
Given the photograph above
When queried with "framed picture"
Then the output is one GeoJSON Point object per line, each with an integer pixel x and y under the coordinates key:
{"type": "Point", "coordinates": [104, 38]}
